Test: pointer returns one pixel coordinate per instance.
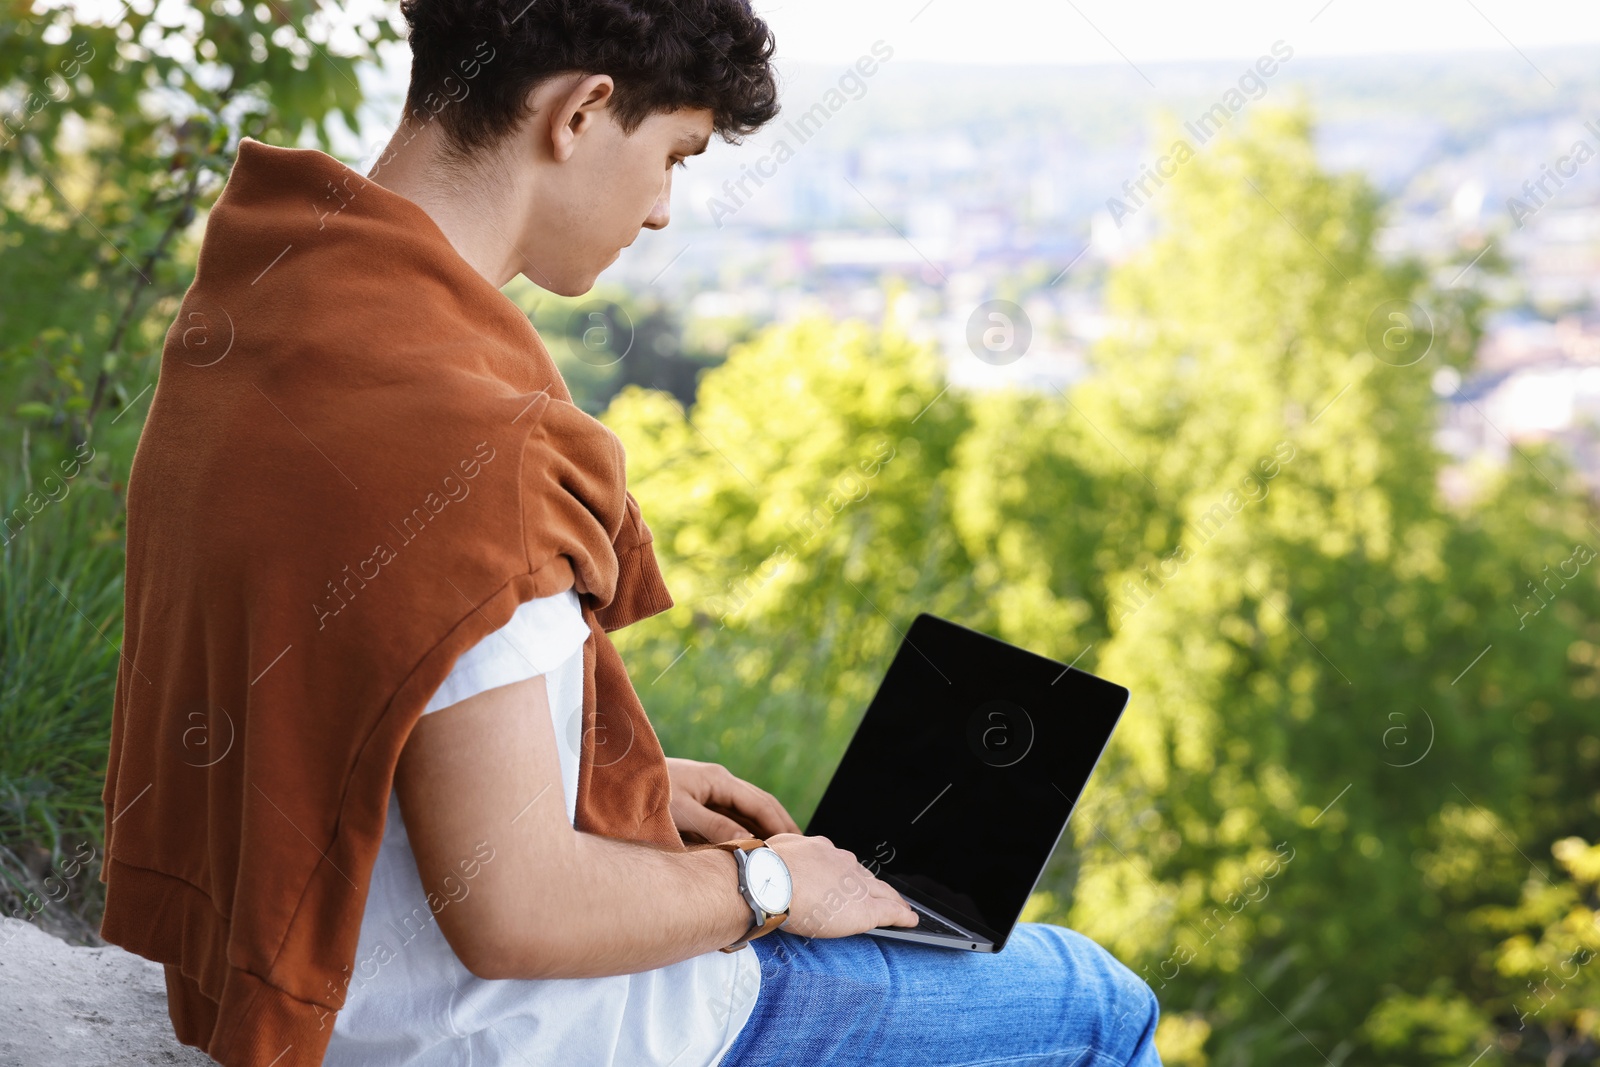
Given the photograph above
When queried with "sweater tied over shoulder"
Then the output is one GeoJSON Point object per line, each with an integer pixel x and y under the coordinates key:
{"type": "Point", "coordinates": [358, 461]}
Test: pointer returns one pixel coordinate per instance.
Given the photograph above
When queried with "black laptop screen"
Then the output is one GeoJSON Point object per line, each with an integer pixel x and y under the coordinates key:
{"type": "Point", "coordinates": [959, 780]}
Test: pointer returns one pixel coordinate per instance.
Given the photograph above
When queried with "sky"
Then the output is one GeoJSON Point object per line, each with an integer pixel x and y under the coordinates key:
{"type": "Point", "coordinates": [1152, 31]}
{"type": "Point", "coordinates": [1118, 31]}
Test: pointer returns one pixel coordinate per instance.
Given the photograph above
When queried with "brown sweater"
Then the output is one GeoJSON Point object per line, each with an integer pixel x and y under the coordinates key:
{"type": "Point", "coordinates": [359, 460]}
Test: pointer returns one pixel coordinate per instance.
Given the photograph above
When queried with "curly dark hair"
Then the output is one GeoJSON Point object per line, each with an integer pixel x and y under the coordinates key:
{"type": "Point", "coordinates": [474, 62]}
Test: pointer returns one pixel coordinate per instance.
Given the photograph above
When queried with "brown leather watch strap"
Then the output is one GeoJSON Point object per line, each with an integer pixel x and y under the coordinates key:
{"type": "Point", "coordinates": [745, 844]}
{"type": "Point", "coordinates": [772, 923]}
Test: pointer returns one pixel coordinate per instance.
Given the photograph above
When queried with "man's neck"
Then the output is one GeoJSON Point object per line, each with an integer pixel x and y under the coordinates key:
{"type": "Point", "coordinates": [474, 214]}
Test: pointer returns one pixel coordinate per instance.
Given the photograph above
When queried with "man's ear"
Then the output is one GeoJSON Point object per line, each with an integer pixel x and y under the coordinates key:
{"type": "Point", "coordinates": [576, 113]}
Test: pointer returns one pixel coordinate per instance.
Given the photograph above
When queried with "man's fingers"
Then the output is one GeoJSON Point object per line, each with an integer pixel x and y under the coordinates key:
{"type": "Point", "coordinates": [759, 806]}
{"type": "Point", "coordinates": [898, 913]}
{"type": "Point", "coordinates": [894, 905]}
{"type": "Point", "coordinates": [708, 824]}
{"type": "Point", "coordinates": [726, 829]}
{"type": "Point", "coordinates": [784, 821]}
{"type": "Point", "coordinates": [762, 808]}
{"type": "Point", "coordinates": [888, 909]}
{"type": "Point", "coordinates": [719, 789]}
{"type": "Point", "coordinates": [901, 917]}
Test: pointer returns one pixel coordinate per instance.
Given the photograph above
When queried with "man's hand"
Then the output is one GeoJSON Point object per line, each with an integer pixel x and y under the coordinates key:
{"type": "Point", "coordinates": [709, 804]}
{"type": "Point", "coordinates": [834, 894]}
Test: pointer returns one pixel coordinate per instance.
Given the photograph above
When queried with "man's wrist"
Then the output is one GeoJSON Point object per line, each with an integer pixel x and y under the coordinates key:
{"type": "Point", "coordinates": [741, 918]}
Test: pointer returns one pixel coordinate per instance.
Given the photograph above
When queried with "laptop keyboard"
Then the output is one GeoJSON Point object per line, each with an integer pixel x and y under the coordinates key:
{"type": "Point", "coordinates": [928, 923]}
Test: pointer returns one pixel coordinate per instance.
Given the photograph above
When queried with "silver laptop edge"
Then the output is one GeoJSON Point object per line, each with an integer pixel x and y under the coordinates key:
{"type": "Point", "coordinates": [968, 939]}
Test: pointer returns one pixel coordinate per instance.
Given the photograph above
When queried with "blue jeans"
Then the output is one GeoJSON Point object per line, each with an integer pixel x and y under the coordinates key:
{"type": "Point", "coordinates": [1051, 996]}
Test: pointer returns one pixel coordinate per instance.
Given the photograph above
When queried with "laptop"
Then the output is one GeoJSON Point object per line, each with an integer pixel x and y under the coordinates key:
{"type": "Point", "coordinates": [958, 783]}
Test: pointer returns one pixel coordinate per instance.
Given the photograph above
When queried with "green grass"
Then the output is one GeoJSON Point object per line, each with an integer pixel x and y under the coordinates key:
{"type": "Point", "coordinates": [60, 630]}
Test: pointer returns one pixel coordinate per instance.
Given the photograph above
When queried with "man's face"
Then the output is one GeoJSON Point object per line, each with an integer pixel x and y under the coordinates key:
{"type": "Point", "coordinates": [593, 204]}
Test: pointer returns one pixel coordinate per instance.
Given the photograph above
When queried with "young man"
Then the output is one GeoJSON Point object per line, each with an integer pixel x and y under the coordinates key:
{"type": "Point", "coordinates": [378, 867]}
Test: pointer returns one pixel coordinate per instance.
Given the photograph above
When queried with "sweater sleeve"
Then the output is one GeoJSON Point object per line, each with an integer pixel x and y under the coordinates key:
{"type": "Point", "coordinates": [641, 590]}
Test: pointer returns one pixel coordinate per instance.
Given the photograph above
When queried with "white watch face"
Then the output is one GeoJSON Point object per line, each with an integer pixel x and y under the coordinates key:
{"type": "Point", "coordinates": [768, 878]}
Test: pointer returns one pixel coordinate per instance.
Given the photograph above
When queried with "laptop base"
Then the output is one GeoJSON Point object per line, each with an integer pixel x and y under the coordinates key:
{"type": "Point", "coordinates": [909, 933]}
{"type": "Point", "coordinates": [941, 932]}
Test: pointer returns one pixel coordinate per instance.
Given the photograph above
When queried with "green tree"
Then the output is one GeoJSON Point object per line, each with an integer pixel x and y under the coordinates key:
{"type": "Point", "coordinates": [800, 513]}
{"type": "Point", "coordinates": [1351, 724]}
{"type": "Point", "coordinates": [609, 339]}
{"type": "Point", "coordinates": [1323, 655]}
{"type": "Point", "coordinates": [1535, 991]}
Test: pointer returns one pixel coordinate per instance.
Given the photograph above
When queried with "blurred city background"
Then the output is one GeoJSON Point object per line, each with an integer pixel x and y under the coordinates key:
{"type": "Point", "coordinates": [1246, 354]}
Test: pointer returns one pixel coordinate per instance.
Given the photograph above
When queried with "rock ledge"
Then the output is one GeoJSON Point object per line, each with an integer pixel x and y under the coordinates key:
{"type": "Point", "coordinates": [66, 1006]}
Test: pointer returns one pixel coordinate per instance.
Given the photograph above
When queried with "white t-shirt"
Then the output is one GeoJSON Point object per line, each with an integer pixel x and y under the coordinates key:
{"type": "Point", "coordinates": [411, 1002]}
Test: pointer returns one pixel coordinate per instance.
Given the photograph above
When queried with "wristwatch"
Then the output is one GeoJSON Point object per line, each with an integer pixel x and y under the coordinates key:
{"type": "Point", "coordinates": [764, 883]}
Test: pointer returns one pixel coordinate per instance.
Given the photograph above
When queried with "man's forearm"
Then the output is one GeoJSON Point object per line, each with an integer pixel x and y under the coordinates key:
{"type": "Point", "coordinates": [621, 907]}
